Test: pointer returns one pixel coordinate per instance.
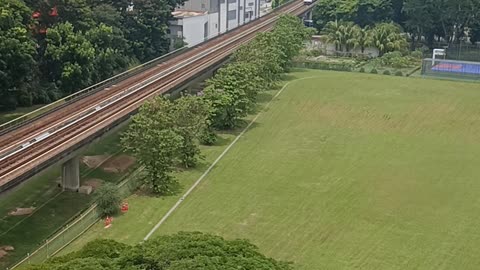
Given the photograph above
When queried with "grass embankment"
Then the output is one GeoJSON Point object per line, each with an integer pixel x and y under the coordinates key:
{"type": "Point", "coordinates": [11, 115]}
{"type": "Point", "coordinates": [343, 171]}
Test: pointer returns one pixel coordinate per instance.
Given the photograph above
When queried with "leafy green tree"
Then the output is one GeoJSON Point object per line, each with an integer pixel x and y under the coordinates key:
{"type": "Point", "coordinates": [180, 251]}
{"type": "Point", "coordinates": [151, 138]}
{"type": "Point", "coordinates": [361, 12]}
{"type": "Point", "coordinates": [69, 58]}
{"type": "Point", "coordinates": [17, 52]}
{"type": "Point", "coordinates": [232, 93]}
{"type": "Point", "coordinates": [264, 53]}
{"type": "Point", "coordinates": [290, 35]}
{"type": "Point", "coordinates": [191, 117]}
{"type": "Point", "coordinates": [146, 25]}
{"type": "Point", "coordinates": [189, 250]}
{"type": "Point", "coordinates": [108, 200]}
{"type": "Point", "coordinates": [110, 50]}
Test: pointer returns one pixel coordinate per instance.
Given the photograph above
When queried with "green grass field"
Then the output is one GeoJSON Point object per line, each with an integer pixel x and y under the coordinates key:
{"type": "Point", "coordinates": [343, 171]}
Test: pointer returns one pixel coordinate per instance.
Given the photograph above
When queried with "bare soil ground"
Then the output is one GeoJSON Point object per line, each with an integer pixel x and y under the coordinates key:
{"type": "Point", "coordinates": [118, 164]}
{"type": "Point", "coordinates": [22, 211]}
{"type": "Point", "coordinates": [93, 182]}
{"type": "Point", "coordinates": [94, 161]}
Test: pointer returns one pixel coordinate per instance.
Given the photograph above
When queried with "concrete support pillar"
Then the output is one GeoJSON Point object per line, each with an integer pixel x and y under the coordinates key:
{"type": "Point", "coordinates": [71, 174]}
{"type": "Point", "coordinates": [308, 16]}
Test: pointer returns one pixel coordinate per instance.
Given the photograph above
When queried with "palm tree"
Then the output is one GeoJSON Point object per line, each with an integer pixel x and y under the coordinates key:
{"type": "Point", "coordinates": [332, 31]}
{"type": "Point", "coordinates": [387, 37]}
{"type": "Point", "coordinates": [341, 34]}
{"type": "Point", "coordinates": [363, 38]}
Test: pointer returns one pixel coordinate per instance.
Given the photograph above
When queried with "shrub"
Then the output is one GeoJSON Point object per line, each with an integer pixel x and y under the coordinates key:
{"type": "Point", "coordinates": [314, 52]}
{"type": "Point", "coordinates": [108, 199]}
{"type": "Point", "coordinates": [417, 54]}
{"type": "Point", "coordinates": [398, 73]}
{"type": "Point", "coordinates": [374, 71]}
{"type": "Point", "coordinates": [386, 72]}
{"type": "Point", "coordinates": [361, 70]}
{"type": "Point", "coordinates": [341, 66]}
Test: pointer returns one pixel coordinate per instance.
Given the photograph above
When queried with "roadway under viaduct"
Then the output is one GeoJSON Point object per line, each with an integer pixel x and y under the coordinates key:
{"type": "Point", "coordinates": [57, 134]}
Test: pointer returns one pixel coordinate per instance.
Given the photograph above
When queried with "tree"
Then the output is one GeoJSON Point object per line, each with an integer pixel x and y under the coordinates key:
{"type": "Point", "coordinates": [388, 37]}
{"type": "Point", "coordinates": [264, 53]}
{"type": "Point", "coordinates": [342, 34]}
{"type": "Point", "coordinates": [191, 117]}
{"type": "Point", "coordinates": [69, 58]}
{"type": "Point", "coordinates": [17, 50]}
{"type": "Point", "coordinates": [110, 50]}
{"type": "Point", "coordinates": [361, 12]}
{"type": "Point", "coordinates": [232, 93]}
{"type": "Point", "coordinates": [290, 35]}
{"type": "Point", "coordinates": [180, 251]}
{"type": "Point", "coordinates": [151, 138]}
{"type": "Point", "coordinates": [108, 200]}
{"type": "Point", "coordinates": [363, 38]}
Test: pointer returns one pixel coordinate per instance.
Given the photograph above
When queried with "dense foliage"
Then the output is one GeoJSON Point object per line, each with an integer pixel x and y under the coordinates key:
{"type": "Point", "coordinates": [449, 21]}
{"type": "Point", "coordinates": [51, 48]}
{"type": "Point", "coordinates": [108, 199]}
{"type": "Point", "coordinates": [184, 250]}
{"type": "Point", "coordinates": [165, 133]}
{"type": "Point", "coordinates": [255, 67]}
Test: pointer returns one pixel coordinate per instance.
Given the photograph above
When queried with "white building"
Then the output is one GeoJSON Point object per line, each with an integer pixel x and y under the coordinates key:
{"type": "Point", "coordinates": [198, 20]}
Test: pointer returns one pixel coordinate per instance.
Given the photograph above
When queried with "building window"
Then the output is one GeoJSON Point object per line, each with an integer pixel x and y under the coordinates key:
{"type": "Point", "coordinates": [232, 1]}
{"type": "Point", "coordinates": [203, 6]}
{"type": "Point", "coordinates": [232, 15]}
{"type": "Point", "coordinates": [250, 4]}
{"type": "Point", "coordinates": [222, 1]}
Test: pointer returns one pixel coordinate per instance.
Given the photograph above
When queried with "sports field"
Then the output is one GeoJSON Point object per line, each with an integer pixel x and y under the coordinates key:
{"type": "Point", "coordinates": [344, 171]}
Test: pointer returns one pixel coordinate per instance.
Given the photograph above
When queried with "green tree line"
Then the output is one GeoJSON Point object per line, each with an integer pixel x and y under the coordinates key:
{"type": "Point", "coordinates": [166, 133]}
{"type": "Point", "coordinates": [426, 21]}
{"type": "Point", "coordinates": [52, 48]}
{"type": "Point", "coordinates": [180, 251]}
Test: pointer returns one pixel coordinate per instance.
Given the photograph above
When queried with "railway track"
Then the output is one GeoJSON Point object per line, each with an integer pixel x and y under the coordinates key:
{"type": "Point", "coordinates": [35, 146]}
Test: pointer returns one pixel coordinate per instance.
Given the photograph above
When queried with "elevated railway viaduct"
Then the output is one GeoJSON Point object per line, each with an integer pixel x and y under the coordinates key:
{"type": "Point", "coordinates": [29, 146]}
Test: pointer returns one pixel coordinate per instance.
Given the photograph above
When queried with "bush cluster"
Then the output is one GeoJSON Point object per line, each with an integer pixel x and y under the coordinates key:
{"type": "Point", "coordinates": [340, 66]}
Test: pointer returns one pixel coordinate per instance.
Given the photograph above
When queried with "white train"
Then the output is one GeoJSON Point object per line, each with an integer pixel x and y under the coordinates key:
{"type": "Point", "coordinates": [307, 2]}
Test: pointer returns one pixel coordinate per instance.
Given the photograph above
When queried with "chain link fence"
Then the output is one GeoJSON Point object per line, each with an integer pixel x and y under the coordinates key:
{"type": "Point", "coordinates": [451, 69]}
{"type": "Point", "coordinates": [463, 52]}
{"type": "Point", "coordinates": [77, 227]}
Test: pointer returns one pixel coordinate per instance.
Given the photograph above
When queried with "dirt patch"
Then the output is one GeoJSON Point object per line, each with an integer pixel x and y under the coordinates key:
{"type": "Point", "coordinates": [4, 249]}
{"type": "Point", "coordinates": [7, 248]}
{"type": "Point", "coordinates": [118, 164]}
{"type": "Point", "coordinates": [3, 253]}
{"type": "Point", "coordinates": [22, 211]}
{"type": "Point", "coordinates": [93, 161]}
{"type": "Point", "coordinates": [93, 182]}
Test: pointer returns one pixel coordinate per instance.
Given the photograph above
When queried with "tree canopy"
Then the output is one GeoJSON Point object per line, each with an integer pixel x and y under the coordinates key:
{"type": "Point", "coordinates": [429, 20]}
{"type": "Point", "coordinates": [51, 48]}
{"type": "Point", "coordinates": [184, 250]}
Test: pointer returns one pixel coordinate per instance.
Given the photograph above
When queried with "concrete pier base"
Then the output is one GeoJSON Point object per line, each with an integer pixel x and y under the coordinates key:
{"type": "Point", "coordinates": [71, 174]}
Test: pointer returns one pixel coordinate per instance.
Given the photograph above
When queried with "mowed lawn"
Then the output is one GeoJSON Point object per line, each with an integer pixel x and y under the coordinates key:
{"type": "Point", "coordinates": [353, 171]}
{"type": "Point", "coordinates": [341, 171]}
